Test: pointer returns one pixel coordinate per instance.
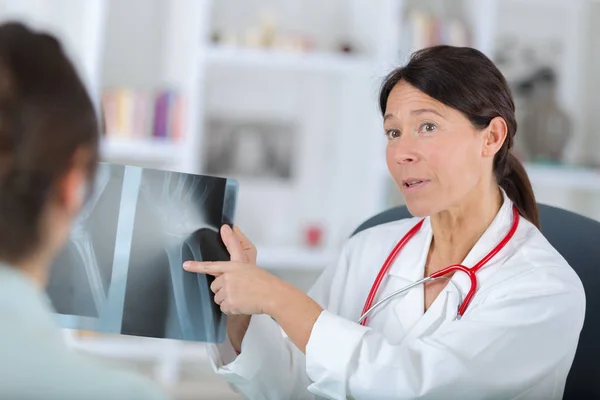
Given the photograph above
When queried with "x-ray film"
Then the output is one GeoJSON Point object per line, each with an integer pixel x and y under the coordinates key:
{"type": "Point", "coordinates": [121, 271]}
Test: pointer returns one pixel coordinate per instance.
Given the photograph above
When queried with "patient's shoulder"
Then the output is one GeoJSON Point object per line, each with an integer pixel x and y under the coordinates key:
{"type": "Point", "coordinates": [63, 373]}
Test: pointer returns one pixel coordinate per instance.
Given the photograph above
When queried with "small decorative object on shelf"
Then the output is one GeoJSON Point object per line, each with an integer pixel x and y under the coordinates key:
{"type": "Point", "coordinates": [140, 115]}
{"type": "Point", "coordinates": [533, 67]}
{"type": "Point", "coordinates": [546, 125]}
{"type": "Point", "coordinates": [314, 236]}
{"type": "Point", "coordinates": [264, 35]}
{"type": "Point", "coordinates": [346, 48]}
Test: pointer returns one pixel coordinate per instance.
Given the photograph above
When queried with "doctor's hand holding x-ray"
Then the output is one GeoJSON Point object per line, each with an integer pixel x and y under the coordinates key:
{"type": "Point", "coordinates": [502, 318]}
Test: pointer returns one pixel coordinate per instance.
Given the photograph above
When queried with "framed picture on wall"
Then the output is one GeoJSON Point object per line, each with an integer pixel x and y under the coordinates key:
{"type": "Point", "coordinates": [249, 148]}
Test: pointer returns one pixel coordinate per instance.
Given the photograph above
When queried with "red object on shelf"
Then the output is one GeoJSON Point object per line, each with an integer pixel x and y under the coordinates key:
{"type": "Point", "coordinates": [314, 236]}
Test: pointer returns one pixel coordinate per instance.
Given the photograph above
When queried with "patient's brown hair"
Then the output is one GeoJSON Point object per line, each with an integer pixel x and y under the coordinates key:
{"type": "Point", "coordinates": [46, 116]}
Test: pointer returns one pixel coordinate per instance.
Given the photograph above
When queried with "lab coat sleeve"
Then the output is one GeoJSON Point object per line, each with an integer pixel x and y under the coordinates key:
{"type": "Point", "coordinates": [270, 365]}
{"type": "Point", "coordinates": [507, 343]}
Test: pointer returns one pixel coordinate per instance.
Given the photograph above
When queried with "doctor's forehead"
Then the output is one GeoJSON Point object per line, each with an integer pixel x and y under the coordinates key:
{"type": "Point", "coordinates": [406, 100]}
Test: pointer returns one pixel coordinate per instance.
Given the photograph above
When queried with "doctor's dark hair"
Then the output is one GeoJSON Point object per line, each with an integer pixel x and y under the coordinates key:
{"type": "Point", "coordinates": [465, 79]}
{"type": "Point", "coordinates": [46, 118]}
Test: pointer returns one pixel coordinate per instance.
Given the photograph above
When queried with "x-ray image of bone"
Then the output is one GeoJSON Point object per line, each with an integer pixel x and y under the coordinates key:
{"type": "Point", "coordinates": [180, 207]}
{"type": "Point", "coordinates": [82, 240]}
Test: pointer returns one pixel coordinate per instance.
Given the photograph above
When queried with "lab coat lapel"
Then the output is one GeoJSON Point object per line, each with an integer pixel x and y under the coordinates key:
{"type": "Point", "coordinates": [445, 307]}
{"type": "Point", "coordinates": [408, 268]}
{"type": "Point", "coordinates": [497, 230]}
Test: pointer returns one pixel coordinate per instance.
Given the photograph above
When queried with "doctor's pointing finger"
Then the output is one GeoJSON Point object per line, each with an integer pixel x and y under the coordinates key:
{"type": "Point", "coordinates": [240, 286]}
{"type": "Point", "coordinates": [466, 299]}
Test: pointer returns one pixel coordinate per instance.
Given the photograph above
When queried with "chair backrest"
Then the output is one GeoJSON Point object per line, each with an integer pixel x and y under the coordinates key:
{"type": "Point", "coordinates": [577, 239]}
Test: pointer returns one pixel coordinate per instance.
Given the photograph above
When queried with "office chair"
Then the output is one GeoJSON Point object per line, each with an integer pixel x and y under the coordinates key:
{"type": "Point", "coordinates": [577, 239]}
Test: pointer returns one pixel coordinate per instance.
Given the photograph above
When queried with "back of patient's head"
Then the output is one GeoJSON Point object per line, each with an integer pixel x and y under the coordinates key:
{"type": "Point", "coordinates": [47, 122]}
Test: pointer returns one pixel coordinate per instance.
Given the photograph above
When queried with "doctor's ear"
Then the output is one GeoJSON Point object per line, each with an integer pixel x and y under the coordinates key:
{"type": "Point", "coordinates": [494, 136]}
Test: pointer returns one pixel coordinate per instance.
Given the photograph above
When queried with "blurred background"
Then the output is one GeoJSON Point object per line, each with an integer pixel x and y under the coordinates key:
{"type": "Point", "coordinates": [282, 96]}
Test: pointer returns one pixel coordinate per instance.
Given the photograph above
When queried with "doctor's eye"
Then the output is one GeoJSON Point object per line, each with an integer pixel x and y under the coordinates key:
{"type": "Point", "coordinates": [392, 133]}
{"type": "Point", "coordinates": [427, 127]}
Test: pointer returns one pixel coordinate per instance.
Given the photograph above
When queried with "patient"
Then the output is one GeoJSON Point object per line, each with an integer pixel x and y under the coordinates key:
{"type": "Point", "coordinates": [48, 155]}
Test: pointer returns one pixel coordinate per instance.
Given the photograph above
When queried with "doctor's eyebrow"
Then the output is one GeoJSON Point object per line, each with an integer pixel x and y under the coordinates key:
{"type": "Point", "coordinates": [416, 112]}
{"type": "Point", "coordinates": [426, 110]}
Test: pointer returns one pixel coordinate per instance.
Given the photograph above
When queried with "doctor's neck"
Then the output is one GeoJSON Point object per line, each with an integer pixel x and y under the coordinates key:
{"type": "Point", "coordinates": [457, 230]}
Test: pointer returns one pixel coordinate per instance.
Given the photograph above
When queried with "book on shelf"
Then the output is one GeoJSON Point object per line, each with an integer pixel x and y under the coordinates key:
{"type": "Point", "coordinates": [141, 115]}
{"type": "Point", "coordinates": [425, 30]}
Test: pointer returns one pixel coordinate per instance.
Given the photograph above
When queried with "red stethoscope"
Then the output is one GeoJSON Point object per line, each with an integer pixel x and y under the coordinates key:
{"type": "Point", "coordinates": [369, 307]}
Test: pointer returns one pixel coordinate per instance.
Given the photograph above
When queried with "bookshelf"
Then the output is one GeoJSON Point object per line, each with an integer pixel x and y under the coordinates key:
{"type": "Point", "coordinates": [151, 150]}
{"type": "Point", "coordinates": [144, 82]}
{"type": "Point", "coordinates": [254, 58]}
{"type": "Point", "coordinates": [564, 177]}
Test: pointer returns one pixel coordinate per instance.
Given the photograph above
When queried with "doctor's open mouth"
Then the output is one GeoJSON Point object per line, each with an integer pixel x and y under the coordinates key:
{"type": "Point", "coordinates": [412, 184]}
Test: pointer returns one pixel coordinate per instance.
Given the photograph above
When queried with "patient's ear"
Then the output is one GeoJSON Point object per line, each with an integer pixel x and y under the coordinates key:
{"type": "Point", "coordinates": [72, 186]}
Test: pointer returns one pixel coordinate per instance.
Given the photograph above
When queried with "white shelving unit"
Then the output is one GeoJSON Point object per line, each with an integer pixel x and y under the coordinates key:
{"type": "Point", "coordinates": [315, 91]}
{"type": "Point", "coordinates": [293, 258]}
{"type": "Point", "coordinates": [152, 45]}
{"type": "Point", "coordinates": [153, 150]}
{"type": "Point", "coordinates": [290, 61]}
{"type": "Point", "coordinates": [564, 177]}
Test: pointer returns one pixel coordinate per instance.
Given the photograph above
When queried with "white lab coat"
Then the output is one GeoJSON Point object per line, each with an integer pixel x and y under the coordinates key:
{"type": "Point", "coordinates": [516, 340]}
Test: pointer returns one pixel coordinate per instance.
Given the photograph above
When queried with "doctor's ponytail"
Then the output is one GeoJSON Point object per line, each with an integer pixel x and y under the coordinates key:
{"type": "Point", "coordinates": [512, 177]}
{"type": "Point", "coordinates": [468, 81]}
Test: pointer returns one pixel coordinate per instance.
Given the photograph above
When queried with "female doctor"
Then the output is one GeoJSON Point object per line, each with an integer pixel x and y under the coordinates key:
{"type": "Point", "coordinates": [449, 119]}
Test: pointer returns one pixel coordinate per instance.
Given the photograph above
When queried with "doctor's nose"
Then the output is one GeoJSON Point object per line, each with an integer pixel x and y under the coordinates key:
{"type": "Point", "coordinates": [405, 159]}
{"type": "Point", "coordinates": [403, 153]}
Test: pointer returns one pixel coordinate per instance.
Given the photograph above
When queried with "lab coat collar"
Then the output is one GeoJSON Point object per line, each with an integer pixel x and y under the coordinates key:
{"type": "Point", "coordinates": [411, 261]}
{"type": "Point", "coordinates": [410, 265]}
{"type": "Point", "coordinates": [492, 236]}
